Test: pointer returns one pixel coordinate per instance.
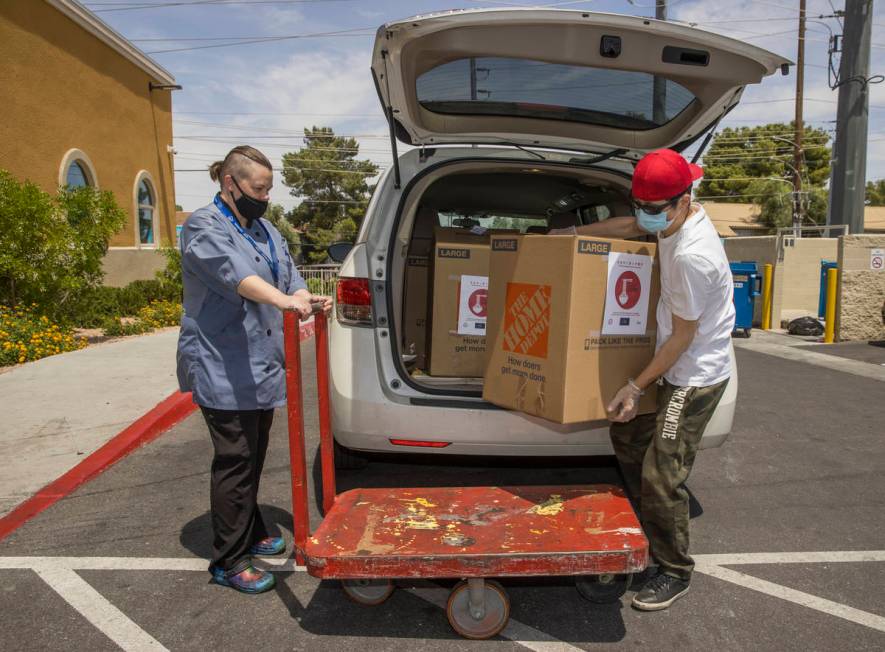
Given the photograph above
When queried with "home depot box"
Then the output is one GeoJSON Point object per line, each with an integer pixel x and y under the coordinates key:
{"type": "Point", "coordinates": [564, 334]}
{"type": "Point", "coordinates": [458, 309]}
{"type": "Point", "coordinates": [415, 295]}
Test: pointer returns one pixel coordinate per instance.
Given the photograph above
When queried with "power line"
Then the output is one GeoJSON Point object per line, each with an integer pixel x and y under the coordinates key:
{"type": "Point", "coordinates": [270, 39]}
{"type": "Point", "coordinates": [134, 6]}
{"type": "Point", "coordinates": [277, 113]}
{"type": "Point", "coordinates": [231, 137]}
{"type": "Point", "coordinates": [302, 170]}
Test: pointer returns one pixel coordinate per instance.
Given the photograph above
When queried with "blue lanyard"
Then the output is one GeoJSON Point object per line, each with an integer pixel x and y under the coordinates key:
{"type": "Point", "coordinates": [273, 262]}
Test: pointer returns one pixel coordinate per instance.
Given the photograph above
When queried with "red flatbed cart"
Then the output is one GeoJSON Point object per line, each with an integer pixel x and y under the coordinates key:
{"type": "Point", "coordinates": [369, 537]}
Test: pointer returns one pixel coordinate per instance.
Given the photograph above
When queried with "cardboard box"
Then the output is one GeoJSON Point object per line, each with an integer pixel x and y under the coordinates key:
{"type": "Point", "coordinates": [554, 349]}
{"type": "Point", "coordinates": [457, 254]}
{"type": "Point", "coordinates": [415, 294]}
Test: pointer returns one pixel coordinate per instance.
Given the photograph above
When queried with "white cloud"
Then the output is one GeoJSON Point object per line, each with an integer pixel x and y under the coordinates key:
{"type": "Point", "coordinates": [326, 88]}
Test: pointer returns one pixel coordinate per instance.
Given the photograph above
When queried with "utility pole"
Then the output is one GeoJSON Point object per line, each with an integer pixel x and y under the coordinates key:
{"type": "Point", "coordinates": [659, 89]}
{"type": "Point", "coordinates": [849, 168]}
{"type": "Point", "coordinates": [800, 127]}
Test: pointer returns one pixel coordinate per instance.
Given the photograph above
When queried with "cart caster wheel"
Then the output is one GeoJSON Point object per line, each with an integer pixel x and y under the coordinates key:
{"type": "Point", "coordinates": [486, 617]}
{"type": "Point", "coordinates": [367, 592]}
{"type": "Point", "coordinates": [602, 589]}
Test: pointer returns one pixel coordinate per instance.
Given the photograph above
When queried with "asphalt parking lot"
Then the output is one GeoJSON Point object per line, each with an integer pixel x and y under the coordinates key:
{"type": "Point", "coordinates": [787, 529]}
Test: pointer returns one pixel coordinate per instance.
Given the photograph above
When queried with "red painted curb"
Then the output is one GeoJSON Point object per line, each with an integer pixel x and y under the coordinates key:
{"type": "Point", "coordinates": [161, 418]}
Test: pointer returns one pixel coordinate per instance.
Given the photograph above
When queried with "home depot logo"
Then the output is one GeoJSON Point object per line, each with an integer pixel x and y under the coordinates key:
{"type": "Point", "coordinates": [527, 319]}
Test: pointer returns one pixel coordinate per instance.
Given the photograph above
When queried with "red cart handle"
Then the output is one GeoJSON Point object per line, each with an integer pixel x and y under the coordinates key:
{"type": "Point", "coordinates": [295, 408]}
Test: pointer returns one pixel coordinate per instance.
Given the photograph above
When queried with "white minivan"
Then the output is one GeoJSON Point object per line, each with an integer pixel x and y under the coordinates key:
{"type": "Point", "coordinates": [526, 118]}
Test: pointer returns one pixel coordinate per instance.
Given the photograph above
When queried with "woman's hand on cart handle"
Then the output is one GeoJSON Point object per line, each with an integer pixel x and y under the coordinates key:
{"type": "Point", "coordinates": [321, 303]}
{"type": "Point", "coordinates": [298, 302]}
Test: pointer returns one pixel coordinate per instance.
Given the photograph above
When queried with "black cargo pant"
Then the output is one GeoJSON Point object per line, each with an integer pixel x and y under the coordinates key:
{"type": "Point", "coordinates": [656, 452]}
{"type": "Point", "coordinates": [240, 440]}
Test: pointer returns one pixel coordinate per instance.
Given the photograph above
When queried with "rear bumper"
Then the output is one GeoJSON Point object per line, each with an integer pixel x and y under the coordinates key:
{"type": "Point", "coordinates": [368, 423]}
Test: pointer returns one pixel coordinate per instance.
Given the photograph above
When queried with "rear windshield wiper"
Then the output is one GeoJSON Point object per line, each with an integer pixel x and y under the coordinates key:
{"type": "Point", "coordinates": [598, 159]}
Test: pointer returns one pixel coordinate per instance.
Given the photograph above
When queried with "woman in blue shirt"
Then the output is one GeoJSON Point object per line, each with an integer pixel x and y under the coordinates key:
{"type": "Point", "coordinates": [238, 277]}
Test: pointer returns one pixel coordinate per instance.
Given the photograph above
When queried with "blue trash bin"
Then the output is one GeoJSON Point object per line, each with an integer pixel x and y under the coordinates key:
{"type": "Point", "coordinates": [822, 297]}
{"type": "Point", "coordinates": [747, 286]}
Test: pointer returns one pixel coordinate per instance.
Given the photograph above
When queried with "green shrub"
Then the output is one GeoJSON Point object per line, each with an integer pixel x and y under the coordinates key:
{"type": "Point", "coordinates": [315, 285]}
{"type": "Point", "coordinates": [26, 335]}
{"type": "Point", "coordinates": [51, 248]}
{"type": "Point", "coordinates": [170, 276]}
{"type": "Point", "coordinates": [97, 305]}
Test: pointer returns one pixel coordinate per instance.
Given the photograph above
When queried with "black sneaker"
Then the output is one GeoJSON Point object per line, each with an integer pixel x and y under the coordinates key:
{"type": "Point", "coordinates": [660, 592]}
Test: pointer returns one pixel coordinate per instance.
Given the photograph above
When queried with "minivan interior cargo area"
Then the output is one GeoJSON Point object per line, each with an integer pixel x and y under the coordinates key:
{"type": "Point", "coordinates": [453, 212]}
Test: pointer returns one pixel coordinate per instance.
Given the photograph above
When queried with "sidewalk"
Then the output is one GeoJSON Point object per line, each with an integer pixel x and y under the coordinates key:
{"type": "Point", "coordinates": [844, 357]}
{"type": "Point", "coordinates": [60, 409]}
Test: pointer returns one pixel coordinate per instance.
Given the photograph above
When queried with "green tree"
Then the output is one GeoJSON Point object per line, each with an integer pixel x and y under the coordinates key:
{"type": "Point", "coordinates": [739, 157]}
{"type": "Point", "coordinates": [276, 215]}
{"type": "Point", "coordinates": [51, 248]}
{"type": "Point", "coordinates": [775, 201]}
{"type": "Point", "coordinates": [332, 183]}
{"type": "Point", "coordinates": [876, 193]}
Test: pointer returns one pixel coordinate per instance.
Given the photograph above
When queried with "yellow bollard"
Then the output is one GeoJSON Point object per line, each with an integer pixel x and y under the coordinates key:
{"type": "Point", "coordinates": [766, 297]}
{"type": "Point", "coordinates": [830, 329]}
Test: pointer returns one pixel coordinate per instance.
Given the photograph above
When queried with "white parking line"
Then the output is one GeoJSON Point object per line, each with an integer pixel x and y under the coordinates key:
{"type": "Point", "coordinates": [132, 563]}
{"type": "Point", "coordinates": [792, 595]}
{"type": "Point", "coordinates": [60, 574]}
{"type": "Point", "coordinates": [838, 556]}
{"type": "Point", "coordinates": [95, 608]}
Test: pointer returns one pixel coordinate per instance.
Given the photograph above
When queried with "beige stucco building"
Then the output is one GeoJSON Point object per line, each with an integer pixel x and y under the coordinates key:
{"type": "Point", "coordinates": [82, 105]}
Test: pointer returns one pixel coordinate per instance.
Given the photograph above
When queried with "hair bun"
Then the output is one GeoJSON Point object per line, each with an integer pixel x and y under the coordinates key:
{"type": "Point", "coordinates": [215, 170]}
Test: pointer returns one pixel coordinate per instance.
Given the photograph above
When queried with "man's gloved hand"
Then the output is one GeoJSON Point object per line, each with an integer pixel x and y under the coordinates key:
{"type": "Point", "coordinates": [625, 404]}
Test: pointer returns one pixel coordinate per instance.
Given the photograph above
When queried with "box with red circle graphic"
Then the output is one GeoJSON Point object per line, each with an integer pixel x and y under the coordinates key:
{"type": "Point", "coordinates": [570, 319]}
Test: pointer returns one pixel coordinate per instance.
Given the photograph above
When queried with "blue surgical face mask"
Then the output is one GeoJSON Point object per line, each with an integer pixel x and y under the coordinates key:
{"type": "Point", "coordinates": [652, 222]}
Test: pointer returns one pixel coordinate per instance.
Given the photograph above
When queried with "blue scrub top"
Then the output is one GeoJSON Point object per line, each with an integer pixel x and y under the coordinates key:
{"type": "Point", "coordinates": [230, 350]}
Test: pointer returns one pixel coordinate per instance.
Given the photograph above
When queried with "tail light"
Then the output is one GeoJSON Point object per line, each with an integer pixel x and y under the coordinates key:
{"type": "Point", "coordinates": [354, 302]}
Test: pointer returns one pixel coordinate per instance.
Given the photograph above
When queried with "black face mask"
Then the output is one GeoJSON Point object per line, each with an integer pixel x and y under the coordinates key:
{"type": "Point", "coordinates": [249, 207]}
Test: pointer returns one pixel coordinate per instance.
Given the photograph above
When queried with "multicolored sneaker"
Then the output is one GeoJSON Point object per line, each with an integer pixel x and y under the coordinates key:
{"type": "Point", "coordinates": [250, 580]}
{"type": "Point", "coordinates": [268, 546]}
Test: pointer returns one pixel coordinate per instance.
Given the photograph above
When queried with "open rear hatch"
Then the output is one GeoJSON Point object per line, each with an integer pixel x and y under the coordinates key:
{"type": "Point", "coordinates": [559, 78]}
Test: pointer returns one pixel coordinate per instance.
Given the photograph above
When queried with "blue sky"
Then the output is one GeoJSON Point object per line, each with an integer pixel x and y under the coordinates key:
{"type": "Point", "coordinates": [265, 93]}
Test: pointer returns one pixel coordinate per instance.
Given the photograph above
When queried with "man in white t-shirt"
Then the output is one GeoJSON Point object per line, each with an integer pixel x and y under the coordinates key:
{"type": "Point", "coordinates": [692, 363]}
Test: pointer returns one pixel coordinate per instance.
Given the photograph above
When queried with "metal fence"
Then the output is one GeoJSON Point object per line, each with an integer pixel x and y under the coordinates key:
{"type": "Point", "coordinates": [320, 279]}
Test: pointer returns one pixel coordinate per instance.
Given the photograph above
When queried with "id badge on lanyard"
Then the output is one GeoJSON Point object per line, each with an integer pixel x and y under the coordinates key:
{"type": "Point", "coordinates": [273, 262]}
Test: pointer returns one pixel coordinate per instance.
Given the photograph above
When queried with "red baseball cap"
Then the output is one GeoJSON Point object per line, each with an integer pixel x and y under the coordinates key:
{"type": "Point", "coordinates": [663, 174]}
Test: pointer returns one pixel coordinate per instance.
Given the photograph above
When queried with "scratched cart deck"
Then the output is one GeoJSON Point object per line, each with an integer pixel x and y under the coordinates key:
{"type": "Point", "coordinates": [478, 532]}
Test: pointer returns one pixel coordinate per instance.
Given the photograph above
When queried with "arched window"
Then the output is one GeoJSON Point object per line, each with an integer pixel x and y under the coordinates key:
{"type": "Point", "coordinates": [146, 208]}
{"type": "Point", "coordinates": [146, 205]}
{"type": "Point", "coordinates": [76, 170]}
{"type": "Point", "coordinates": [77, 175]}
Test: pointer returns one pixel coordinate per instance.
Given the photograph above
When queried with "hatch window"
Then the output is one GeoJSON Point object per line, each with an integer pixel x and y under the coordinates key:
{"type": "Point", "coordinates": [535, 89]}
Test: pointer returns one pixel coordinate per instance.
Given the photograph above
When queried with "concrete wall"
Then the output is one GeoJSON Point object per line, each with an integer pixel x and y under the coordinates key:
{"type": "Point", "coordinates": [798, 274]}
{"type": "Point", "coordinates": [122, 266]}
{"type": "Point", "coordinates": [861, 289]}
{"type": "Point", "coordinates": [65, 89]}
{"type": "Point", "coordinates": [762, 249]}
